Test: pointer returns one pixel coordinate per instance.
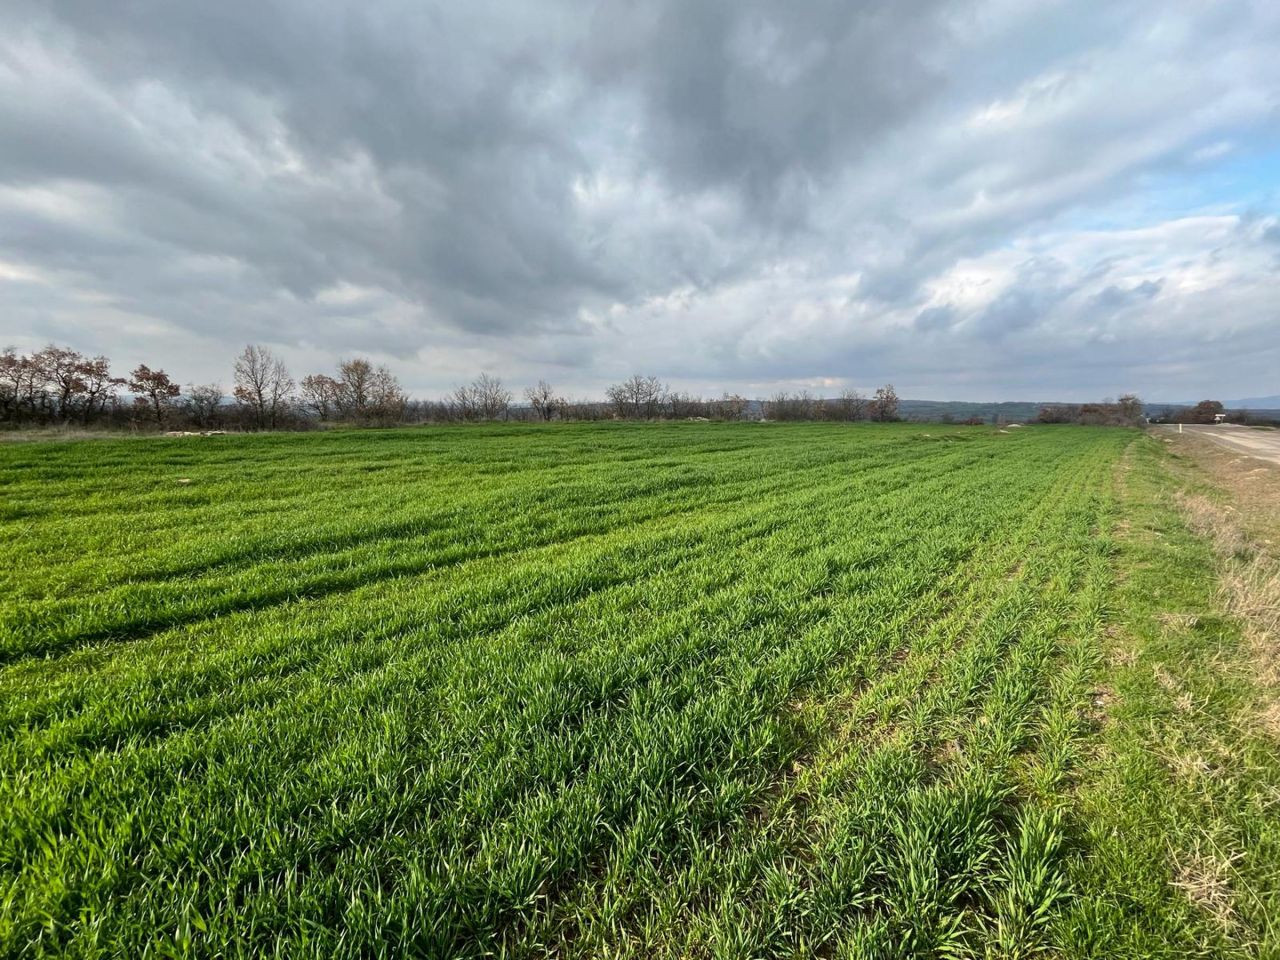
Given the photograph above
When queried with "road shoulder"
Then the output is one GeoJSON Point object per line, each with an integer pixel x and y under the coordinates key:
{"type": "Point", "coordinates": [1179, 801]}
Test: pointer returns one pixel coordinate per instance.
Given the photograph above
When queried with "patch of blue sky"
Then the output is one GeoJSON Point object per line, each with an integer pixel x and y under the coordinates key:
{"type": "Point", "coordinates": [1219, 177]}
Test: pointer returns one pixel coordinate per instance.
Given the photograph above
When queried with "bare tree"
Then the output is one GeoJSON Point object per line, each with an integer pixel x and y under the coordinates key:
{"type": "Point", "coordinates": [319, 394]}
{"type": "Point", "coordinates": [354, 388]}
{"type": "Point", "coordinates": [263, 385]}
{"type": "Point", "coordinates": [638, 397]}
{"type": "Point", "coordinates": [98, 387]}
{"type": "Point", "coordinates": [484, 398]}
{"type": "Point", "coordinates": [204, 400]}
{"type": "Point", "coordinates": [852, 405]}
{"type": "Point", "coordinates": [155, 391]}
{"type": "Point", "coordinates": [884, 405]}
{"type": "Point", "coordinates": [683, 406]}
{"type": "Point", "coordinates": [385, 401]}
{"type": "Point", "coordinates": [492, 397]}
{"type": "Point", "coordinates": [361, 393]}
{"type": "Point", "coordinates": [731, 406]}
{"type": "Point", "coordinates": [786, 406]}
{"type": "Point", "coordinates": [462, 403]}
{"type": "Point", "coordinates": [546, 405]}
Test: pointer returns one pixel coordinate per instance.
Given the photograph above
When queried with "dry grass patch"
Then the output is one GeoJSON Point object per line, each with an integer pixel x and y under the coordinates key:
{"type": "Point", "coordinates": [1121, 650]}
{"type": "Point", "coordinates": [1216, 522]}
{"type": "Point", "coordinates": [1252, 591]}
{"type": "Point", "coordinates": [1187, 767]}
{"type": "Point", "coordinates": [1165, 678]}
{"type": "Point", "coordinates": [1182, 621]}
{"type": "Point", "coordinates": [1270, 719]}
{"type": "Point", "coordinates": [1252, 486]}
{"type": "Point", "coordinates": [1205, 876]}
{"type": "Point", "coordinates": [1249, 588]}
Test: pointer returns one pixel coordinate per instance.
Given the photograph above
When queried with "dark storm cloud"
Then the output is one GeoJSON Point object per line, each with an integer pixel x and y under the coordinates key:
{"type": "Point", "coordinates": [736, 193]}
{"type": "Point", "coordinates": [472, 128]}
{"type": "Point", "coordinates": [324, 144]}
{"type": "Point", "coordinates": [767, 97]}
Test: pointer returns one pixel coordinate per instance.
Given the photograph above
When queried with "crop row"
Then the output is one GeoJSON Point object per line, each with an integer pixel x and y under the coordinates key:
{"type": "Point", "coordinates": [644, 691]}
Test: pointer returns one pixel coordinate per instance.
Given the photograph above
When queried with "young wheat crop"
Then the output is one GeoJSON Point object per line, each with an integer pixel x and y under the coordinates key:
{"type": "Point", "coordinates": [633, 690]}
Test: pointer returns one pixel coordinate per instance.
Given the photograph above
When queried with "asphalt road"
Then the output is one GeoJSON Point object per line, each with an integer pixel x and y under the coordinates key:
{"type": "Point", "coordinates": [1263, 444]}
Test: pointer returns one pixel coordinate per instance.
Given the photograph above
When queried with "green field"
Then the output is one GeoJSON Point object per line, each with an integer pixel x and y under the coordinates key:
{"type": "Point", "coordinates": [703, 690]}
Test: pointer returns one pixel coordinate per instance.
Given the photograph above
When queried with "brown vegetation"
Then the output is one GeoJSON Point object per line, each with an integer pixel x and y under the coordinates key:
{"type": "Point", "coordinates": [1125, 412]}
{"type": "Point", "coordinates": [849, 406]}
{"type": "Point", "coordinates": [1244, 533]}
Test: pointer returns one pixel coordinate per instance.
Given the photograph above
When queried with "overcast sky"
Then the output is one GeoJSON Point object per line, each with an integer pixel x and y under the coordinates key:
{"type": "Point", "coordinates": [973, 200]}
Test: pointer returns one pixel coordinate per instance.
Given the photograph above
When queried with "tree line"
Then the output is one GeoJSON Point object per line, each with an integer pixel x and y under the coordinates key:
{"type": "Point", "coordinates": [1210, 411]}
{"type": "Point", "coordinates": [1130, 411]}
{"type": "Point", "coordinates": [58, 385]}
{"type": "Point", "coordinates": [1125, 412]}
{"type": "Point", "coordinates": [850, 405]}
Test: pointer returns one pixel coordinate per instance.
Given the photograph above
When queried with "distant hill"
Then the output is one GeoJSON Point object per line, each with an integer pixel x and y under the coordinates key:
{"type": "Point", "coordinates": [932, 411]}
{"type": "Point", "coordinates": [1013, 411]}
{"type": "Point", "coordinates": [1025, 411]}
{"type": "Point", "coordinates": [1248, 403]}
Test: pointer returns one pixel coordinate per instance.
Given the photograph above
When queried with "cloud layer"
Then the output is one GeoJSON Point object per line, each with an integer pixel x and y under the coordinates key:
{"type": "Point", "coordinates": [974, 200]}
